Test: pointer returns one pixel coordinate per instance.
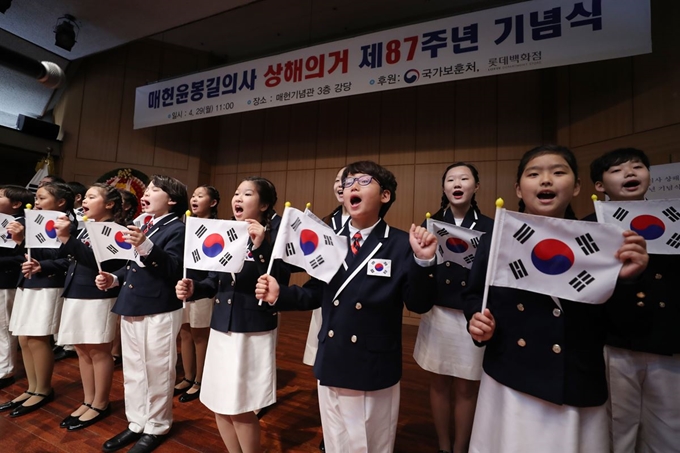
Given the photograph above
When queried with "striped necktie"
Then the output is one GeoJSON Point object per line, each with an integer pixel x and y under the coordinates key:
{"type": "Point", "coordinates": [356, 243]}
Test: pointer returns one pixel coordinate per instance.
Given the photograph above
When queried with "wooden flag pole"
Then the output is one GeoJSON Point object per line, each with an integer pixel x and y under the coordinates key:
{"type": "Point", "coordinates": [491, 266]}
{"type": "Point", "coordinates": [271, 260]}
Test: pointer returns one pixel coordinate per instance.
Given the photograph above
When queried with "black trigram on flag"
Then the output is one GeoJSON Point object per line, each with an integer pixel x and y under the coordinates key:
{"type": "Point", "coordinates": [200, 231]}
{"type": "Point", "coordinates": [196, 256]}
{"type": "Point", "coordinates": [290, 249]}
{"type": "Point", "coordinates": [672, 214]}
{"type": "Point", "coordinates": [587, 244]}
{"type": "Point", "coordinates": [295, 225]}
{"type": "Point", "coordinates": [674, 241]}
{"type": "Point", "coordinates": [518, 269]}
{"type": "Point", "coordinates": [106, 231]}
{"type": "Point", "coordinates": [225, 259]}
{"type": "Point", "coordinates": [443, 232]}
{"type": "Point", "coordinates": [40, 238]}
{"type": "Point", "coordinates": [4, 223]}
{"type": "Point", "coordinates": [231, 234]}
{"type": "Point", "coordinates": [524, 233]}
{"type": "Point", "coordinates": [39, 219]}
{"type": "Point", "coordinates": [441, 251]}
{"type": "Point", "coordinates": [316, 262]}
{"type": "Point", "coordinates": [469, 259]}
{"type": "Point", "coordinates": [112, 249]}
{"type": "Point", "coordinates": [328, 240]}
{"type": "Point", "coordinates": [4, 238]}
{"type": "Point", "coordinates": [581, 281]}
{"type": "Point", "coordinates": [474, 242]}
{"type": "Point", "coordinates": [620, 214]}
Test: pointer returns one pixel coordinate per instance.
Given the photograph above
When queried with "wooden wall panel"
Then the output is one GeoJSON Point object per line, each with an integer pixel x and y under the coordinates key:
{"type": "Point", "coordinates": [279, 179]}
{"type": "Point", "coordinates": [145, 56]}
{"type": "Point", "coordinates": [176, 61]}
{"type": "Point", "coordinates": [134, 146]}
{"type": "Point", "coordinates": [519, 113]}
{"type": "Point", "coordinates": [299, 188]}
{"type": "Point", "coordinates": [173, 143]}
{"type": "Point", "coordinates": [506, 175]}
{"type": "Point", "coordinates": [488, 186]}
{"type": "Point", "coordinates": [398, 127]}
{"type": "Point", "coordinates": [332, 133]}
{"type": "Point", "coordinates": [363, 139]}
{"type": "Point", "coordinates": [303, 131]}
{"type": "Point", "coordinates": [427, 190]}
{"type": "Point", "coordinates": [435, 123]}
{"type": "Point", "coordinates": [276, 139]}
{"type": "Point", "coordinates": [226, 185]}
{"type": "Point", "coordinates": [67, 114]}
{"type": "Point", "coordinates": [250, 144]}
{"type": "Point", "coordinates": [475, 126]}
{"type": "Point", "coordinates": [324, 200]}
{"type": "Point", "coordinates": [226, 159]}
{"type": "Point", "coordinates": [401, 214]}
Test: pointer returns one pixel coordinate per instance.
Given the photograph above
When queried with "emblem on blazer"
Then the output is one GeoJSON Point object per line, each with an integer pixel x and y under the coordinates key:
{"type": "Point", "coordinates": [380, 268]}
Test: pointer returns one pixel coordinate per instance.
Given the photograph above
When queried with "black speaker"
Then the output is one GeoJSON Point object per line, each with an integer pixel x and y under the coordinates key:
{"type": "Point", "coordinates": [37, 127]}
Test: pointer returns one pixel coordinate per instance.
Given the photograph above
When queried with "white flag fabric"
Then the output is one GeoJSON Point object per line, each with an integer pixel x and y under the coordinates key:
{"type": "Point", "coordinates": [658, 221]}
{"type": "Point", "coordinates": [305, 241]}
{"type": "Point", "coordinates": [454, 243]}
{"type": "Point", "coordinates": [39, 175]}
{"type": "Point", "coordinates": [570, 259]}
{"type": "Point", "coordinates": [40, 231]}
{"type": "Point", "coordinates": [215, 245]}
{"type": "Point", "coordinates": [108, 242]}
{"type": "Point", "coordinates": [5, 237]}
{"type": "Point", "coordinates": [142, 219]}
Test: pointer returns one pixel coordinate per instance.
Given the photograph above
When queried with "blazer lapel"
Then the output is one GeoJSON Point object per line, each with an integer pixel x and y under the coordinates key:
{"type": "Point", "coordinates": [157, 226]}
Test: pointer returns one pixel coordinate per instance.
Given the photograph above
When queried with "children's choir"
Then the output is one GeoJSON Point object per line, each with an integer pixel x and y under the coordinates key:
{"type": "Point", "coordinates": [530, 373]}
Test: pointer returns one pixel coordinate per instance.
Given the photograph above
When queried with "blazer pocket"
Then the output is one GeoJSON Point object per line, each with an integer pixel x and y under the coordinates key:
{"type": "Point", "coordinates": [382, 343]}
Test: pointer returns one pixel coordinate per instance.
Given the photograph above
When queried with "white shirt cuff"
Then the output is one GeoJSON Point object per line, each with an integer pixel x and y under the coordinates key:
{"type": "Point", "coordinates": [425, 263]}
{"type": "Point", "coordinates": [145, 247]}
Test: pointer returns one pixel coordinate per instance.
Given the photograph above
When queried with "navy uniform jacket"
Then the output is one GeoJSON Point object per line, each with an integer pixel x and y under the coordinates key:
{"type": "Point", "coordinates": [651, 325]}
{"type": "Point", "coordinates": [452, 277]}
{"type": "Point", "coordinates": [334, 219]}
{"type": "Point", "coordinates": [83, 270]}
{"type": "Point", "coordinates": [538, 348]}
{"type": "Point", "coordinates": [10, 261]}
{"type": "Point", "coordinates": [236, 308]}
{"type": "Point", "coordinates": [151, 289]}
{"type": "Point", "coordinates": [360, 335]}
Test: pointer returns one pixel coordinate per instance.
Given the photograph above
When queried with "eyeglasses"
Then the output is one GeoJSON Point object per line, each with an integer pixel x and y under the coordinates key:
{"type": "Point", "coordinates": [362, 180]}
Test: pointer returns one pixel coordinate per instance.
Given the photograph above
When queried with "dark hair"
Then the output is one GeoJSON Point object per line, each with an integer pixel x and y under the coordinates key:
{"type": "Point", "coordinates": [175, 190]}
{"type": "Point", "coordinates": [111, 194]}
{"type": "Point", "coordinates": [267, 192]}
{"type": "Point", "coordinates": [613, 158]}
{"type": "Point", "coordinates": [78, 188]}
{"type": "Point", "coordinates": [439, 215]}
{"type": "Point", "coordinates": [61, 191]}
{"type": "Point", "coordinates": [383, 176]}
{"type": "Point", "coordinates": [132, 200]}
{"type": "Point", "coordinates": [55, 178]}
{"type": "Point", "coordinates": [18, 193]}
{"type": "Point", "coordinates": [542, 150]}
{"type": "Point", "coordinates": [214, 194]}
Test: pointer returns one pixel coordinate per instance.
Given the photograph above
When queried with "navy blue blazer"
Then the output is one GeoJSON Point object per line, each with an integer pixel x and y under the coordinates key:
{"type": "Point", "coordinates": [360, 335]}
{"type": "Point", "coordinates": [83, 269]}
{"type": "Point", "coordinates": [10, 261]}
{"type": "Point", "coordinates": [151, 289]}
{"type": "Point", "coordinates": [452, 277]}
{"type": "Point", "coordinates": [334, 219]}
{"type": "Point", "coordinates": [538, 348]}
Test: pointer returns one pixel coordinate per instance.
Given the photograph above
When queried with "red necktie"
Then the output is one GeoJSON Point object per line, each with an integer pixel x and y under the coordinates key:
{"type": "Point", "coordinates": [356, 244]}
{"type": "Point", "coordinates": [147, 227]}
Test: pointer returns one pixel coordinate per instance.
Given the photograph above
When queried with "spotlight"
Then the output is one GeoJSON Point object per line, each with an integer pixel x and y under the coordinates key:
{"type": "Point", "coordinates": [65, 32]}
{"type": "Point", "coordinates": [4, 5]}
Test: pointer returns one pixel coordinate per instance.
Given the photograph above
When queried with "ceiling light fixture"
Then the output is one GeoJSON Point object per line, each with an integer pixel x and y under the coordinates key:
{"type": "Point", "coordinates": [65, 32]}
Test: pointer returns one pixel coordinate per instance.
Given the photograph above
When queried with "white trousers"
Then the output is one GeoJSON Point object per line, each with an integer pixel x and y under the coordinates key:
{"type": "Point", "coordinates": [8, 342]}
{"type": "Point", "coordinates": [149, 355]}
{"type": "Point", "coordinates": [312, 345]}
{"type": "Point", "coordinates": [644, 401]}
{"type": "Point", "coordinates": [354, 421]}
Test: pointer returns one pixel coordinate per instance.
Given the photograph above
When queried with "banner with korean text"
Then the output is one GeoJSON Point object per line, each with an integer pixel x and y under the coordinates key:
{"type": "Point", "coordinates": [519, 37]}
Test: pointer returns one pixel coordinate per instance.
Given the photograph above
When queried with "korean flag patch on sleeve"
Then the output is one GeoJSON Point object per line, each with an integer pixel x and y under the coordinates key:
{"type": "Point", "coordinates": [380, 268]}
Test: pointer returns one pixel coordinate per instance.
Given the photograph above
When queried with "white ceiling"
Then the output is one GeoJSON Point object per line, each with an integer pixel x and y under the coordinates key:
{"type": "Point", "coordinates": [233, 30]}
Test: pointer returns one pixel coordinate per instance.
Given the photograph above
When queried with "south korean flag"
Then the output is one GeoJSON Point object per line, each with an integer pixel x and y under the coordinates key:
{"type": "Point", "coordinates": [142, 219]}
{"type": "Point", "coordinates": [107, 240]}
{"type": "Point", "coordinates": [215, 245]}
{"type": "Point", "coordinates": [454, 243]}
{"type": "Point", "coordinates": [658, 221]}
{"type": "Point", "coordinates": [40, 231]}
{"type": "Point", "coordinates": [5, 236]}
{"type": "Point", "coordinates": [569, 259]}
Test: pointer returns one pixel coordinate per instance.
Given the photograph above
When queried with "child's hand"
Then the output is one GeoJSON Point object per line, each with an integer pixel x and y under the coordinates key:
{"type": "Point", "coordinates": [29, 268]}
{"type": "Point", "coordinates": [135, 236]}
{"type": "Point", "coordinates": [423, 243]}
{"type": "Point", "coordinates": [267, 289]}
{"type": "Point", "coordinates": [63, 227]}
{"type": "Point", "coordinates": [17, 231]}
{"type": "Point", "coordinates": [256, 232]}
{"type": "Point", "coordinates": [103, 281]}
{"type": "Point", "coordinates": [482, 326]}
{"type": "Point", "coordinates": [184, 289]}
{"type": "Point", "coordinates": [633, 254]}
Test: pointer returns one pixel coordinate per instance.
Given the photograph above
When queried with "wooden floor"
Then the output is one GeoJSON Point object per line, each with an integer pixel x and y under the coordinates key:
{"type": "Point", "coordinates": [291, 425]}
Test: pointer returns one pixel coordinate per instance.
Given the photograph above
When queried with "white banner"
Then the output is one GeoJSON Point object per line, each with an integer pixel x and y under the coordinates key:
{"type": "Point", "coordinates": [520, 37]}
{"type": "Point", "coordinates": [664, 181]}
{"type": "Point", "coordinates": [215, 245]}
{"type": "Point", "coordinates": [454, 243]}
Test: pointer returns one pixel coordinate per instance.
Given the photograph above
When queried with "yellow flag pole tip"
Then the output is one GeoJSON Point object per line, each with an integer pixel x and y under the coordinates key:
{"type": "Point", "coordinates": [428, 215]}
{"type": "Point", "coordinates": [188, 213]}
{"type": "Point", "coordinates": [308, 205]}
{"type": "Point", "coordinates": [29, 206]}
{"type": "Point", "coordinates": [593, 197]}
{"type": "Point", "coordinates": [84, 218]}
{"type": "Point", "coordinates": [287, 204]}
{"type": "Point", "coordinates": [499, 203]}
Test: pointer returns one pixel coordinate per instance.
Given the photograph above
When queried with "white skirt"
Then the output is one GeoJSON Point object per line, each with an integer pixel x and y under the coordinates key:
{"type": "Point", "coordinates": [312, 345]}
{"type": "Point", "coordinates": [36, 312]}
{"type": "Point", "coordinates": [509, 421]}
{"type": "Point", "coordinates": [198, 313]}
{"type": "Point", "coordinates": [240, 372]}
{"type": "Point", "coordinates": [444, 346]}
{"type": "Point", "coordinates": [87, 321]}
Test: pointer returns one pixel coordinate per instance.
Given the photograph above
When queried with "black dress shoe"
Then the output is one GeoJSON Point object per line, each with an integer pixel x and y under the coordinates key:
{"type": "Point", "coordinates": [322, 445]}
{"type": "Point", "coordinates": [23, 410]}
{"type": "Point", "coordinates": [13, 404]}
{"type": "Point", "coordinates": [6, 382]}
{"type": "Point", "coordinates": [120, 440]}
{"type": "Point", "coordinates": [117, 361]}
{"type": "Point", "coordinates": [70, 419]}
{"type": "Point", "coordinates": [64, 354]}
{"type": "Point", "coordinates": [186, 396]}
{"type": "Point", "coordinates": [101, 414]}
{"type": "Point", "coordinates": [183, 389]}
{"type": "Point", "coordinates": [147, 443]}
